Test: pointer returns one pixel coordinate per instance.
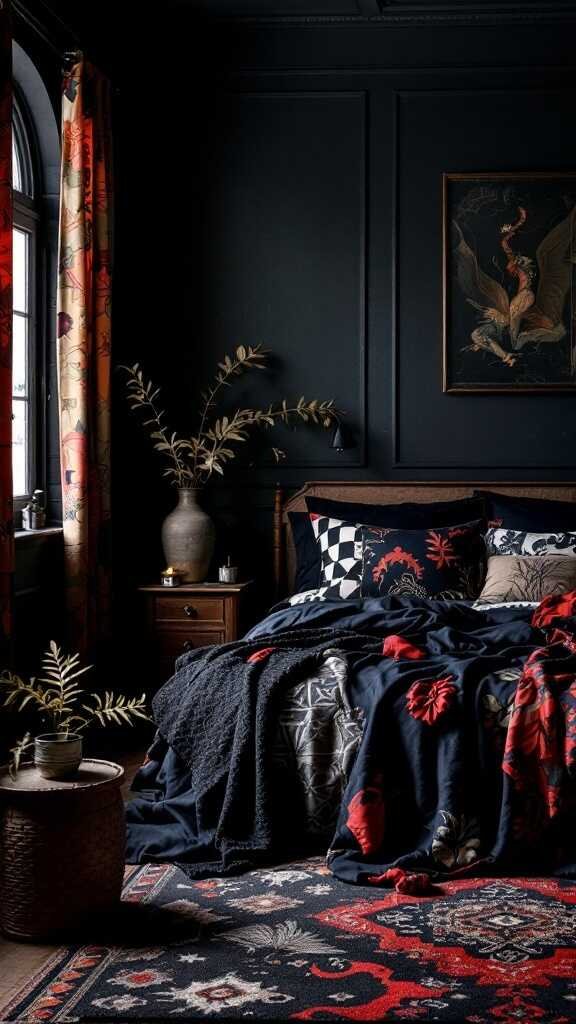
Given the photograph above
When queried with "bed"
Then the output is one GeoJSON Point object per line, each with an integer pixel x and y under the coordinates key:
{"type": "Point", "coordinates": [410, 735]}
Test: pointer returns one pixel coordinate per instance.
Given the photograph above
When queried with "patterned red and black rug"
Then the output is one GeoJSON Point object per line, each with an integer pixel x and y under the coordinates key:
{"type": "Point", "coordinates": [293, 943]}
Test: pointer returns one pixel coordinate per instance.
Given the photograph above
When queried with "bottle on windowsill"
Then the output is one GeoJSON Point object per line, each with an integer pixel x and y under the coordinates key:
{"type": "Point", "coordinates": [34, 513]}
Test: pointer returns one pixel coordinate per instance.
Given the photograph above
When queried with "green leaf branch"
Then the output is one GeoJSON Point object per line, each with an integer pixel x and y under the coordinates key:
{"type": "Point", "coordinates": [58, 699]}
{"type": "Point", "coordinates": [192, 460]}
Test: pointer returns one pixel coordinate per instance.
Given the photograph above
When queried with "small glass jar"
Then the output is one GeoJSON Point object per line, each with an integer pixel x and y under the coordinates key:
{"type": "Point", "coordinates": [228, 574]}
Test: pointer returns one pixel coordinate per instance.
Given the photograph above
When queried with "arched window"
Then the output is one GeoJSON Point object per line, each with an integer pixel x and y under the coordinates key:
{"type": "Point", "coordinates": [36, 189]}
{"type": "Point", "coordinates": [26, 218]}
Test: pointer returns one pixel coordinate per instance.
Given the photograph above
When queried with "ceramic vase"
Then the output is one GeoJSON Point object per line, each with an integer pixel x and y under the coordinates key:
{"type": "Point", "coordinates": [57, 755]}
{"type": "Point", "coordinates": [188, 537]}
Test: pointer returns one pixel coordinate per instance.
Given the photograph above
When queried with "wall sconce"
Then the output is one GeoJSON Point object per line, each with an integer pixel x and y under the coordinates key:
{"type": "Point", "coordinates": [342, 438]}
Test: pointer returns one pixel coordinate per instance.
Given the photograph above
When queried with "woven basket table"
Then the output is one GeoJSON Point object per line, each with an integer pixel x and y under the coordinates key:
{"type": "Point", "coordinates": [61, 848]}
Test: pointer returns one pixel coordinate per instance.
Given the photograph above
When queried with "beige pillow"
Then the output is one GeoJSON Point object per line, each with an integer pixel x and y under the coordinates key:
{"type": "Point", "coordinates": [527, 577]}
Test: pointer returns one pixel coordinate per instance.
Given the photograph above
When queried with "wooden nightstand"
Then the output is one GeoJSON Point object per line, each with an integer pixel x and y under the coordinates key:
{"type": "Point", "coordinates": [192, 615]}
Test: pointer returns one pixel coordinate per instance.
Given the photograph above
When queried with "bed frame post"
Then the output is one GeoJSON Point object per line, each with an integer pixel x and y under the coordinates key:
{"type": "Point", "coordinates": [278, 545]}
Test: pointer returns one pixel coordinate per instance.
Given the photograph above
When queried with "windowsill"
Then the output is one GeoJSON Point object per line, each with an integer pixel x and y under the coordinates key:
{"type": "Point", "coordinates": [42, 535]}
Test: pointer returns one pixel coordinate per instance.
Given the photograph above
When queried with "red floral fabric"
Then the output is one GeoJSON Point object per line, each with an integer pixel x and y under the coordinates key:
{"type": "Point", "coordinates": [562, 636]}
{"type": "Point", "coordinates": [404, 881]}
{"type": "Point", "coordinates": [397, 647]}
{"type": "Point", "coordinates": [541, 736]}
{"type": "Point", "coordinates": [366, 817]}
{"type": "Point", "coordinates": [555, 606]}
{"type": "Point", "coordinates": [6, 522]}
{"type": "Point", "coordinates": [260, 655]}
{"type": "Point", "coordinates": [429, 700]}
{"type": "Point", "coordinates": [84, 353]}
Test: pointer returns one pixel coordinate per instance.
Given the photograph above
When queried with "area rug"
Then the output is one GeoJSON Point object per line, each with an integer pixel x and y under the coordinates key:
{"type": "Point", "coordinates": [292, 943]}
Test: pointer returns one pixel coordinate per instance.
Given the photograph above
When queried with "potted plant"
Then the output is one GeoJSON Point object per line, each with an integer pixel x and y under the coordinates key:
{"type": "Point", "coordinates": [188, 532]}
{"type": "Point", "coordinates": [57, 697]}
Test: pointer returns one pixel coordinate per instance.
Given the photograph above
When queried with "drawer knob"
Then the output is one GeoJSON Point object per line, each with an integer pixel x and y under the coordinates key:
{"type": "Point", "coordinates": [189, 610]}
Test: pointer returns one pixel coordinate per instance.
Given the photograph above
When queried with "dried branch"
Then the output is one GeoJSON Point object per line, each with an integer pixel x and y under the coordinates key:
{"type": "Point", "coordinates": [142, 395]}
{"type": "Point", "coordinates": [116, 710]}
{"type": "Point", "coordinates": [193, 460]}
{"type": "Point", "coordinates": [17, 752]}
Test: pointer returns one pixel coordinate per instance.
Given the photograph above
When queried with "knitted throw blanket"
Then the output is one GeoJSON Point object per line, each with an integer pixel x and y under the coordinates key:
{"type": "Point", "coordinates": [216, 713]}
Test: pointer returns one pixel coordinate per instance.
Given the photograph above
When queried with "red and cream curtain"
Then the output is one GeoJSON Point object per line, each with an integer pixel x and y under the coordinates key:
{"type": "Point", "coordinates": [84, 298]}
{"type": "Point", "coordinates": [6, 521]}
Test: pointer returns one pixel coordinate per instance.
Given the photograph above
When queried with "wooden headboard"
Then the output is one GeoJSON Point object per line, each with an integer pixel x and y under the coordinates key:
{"type": "Point", "coordinates": [386, 492]}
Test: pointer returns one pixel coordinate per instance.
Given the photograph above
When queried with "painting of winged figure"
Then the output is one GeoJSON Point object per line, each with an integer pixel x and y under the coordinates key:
{"type": "Point", "coordinates": [509, 282]}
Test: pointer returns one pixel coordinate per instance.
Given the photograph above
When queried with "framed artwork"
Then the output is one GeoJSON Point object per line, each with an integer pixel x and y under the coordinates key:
{"type": "Point", "coordinates": [509, 282]}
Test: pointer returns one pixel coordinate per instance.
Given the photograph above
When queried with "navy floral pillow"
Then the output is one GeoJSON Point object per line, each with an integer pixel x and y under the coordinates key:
{"type": "Point", "coordinates": [446, 563]}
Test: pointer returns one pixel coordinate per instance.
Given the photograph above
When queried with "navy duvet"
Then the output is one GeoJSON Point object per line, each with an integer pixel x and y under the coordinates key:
{"type": "Point", "coordinates": [467, 762]}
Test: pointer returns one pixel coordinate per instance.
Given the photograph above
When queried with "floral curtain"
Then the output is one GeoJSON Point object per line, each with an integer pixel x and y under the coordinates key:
{"type": "Point", "coordinates": [6, 521]}
{"type": "Point", "coordinates": [84, 298]}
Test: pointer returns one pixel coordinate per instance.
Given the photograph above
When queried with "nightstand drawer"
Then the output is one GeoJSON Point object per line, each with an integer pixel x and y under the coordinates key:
{"type": "Point", "coordinates": [182, 608]}
{"type": "Point", "coordinates": [189, 617]}
{"type": "Point", "coordinates": [174, 642]}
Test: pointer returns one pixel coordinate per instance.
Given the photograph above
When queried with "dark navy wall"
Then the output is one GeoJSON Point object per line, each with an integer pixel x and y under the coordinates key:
{"type": "Point", "coordinates": [296, 200]}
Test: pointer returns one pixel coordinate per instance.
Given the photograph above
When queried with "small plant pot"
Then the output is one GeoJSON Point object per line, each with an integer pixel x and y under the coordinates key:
{"type": "Point", "coordinates": [57, 755]}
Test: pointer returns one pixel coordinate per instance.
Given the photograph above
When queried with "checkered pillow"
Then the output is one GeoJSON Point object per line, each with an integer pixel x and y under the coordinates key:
{"type": "Point", "coordinates": [340, 546]}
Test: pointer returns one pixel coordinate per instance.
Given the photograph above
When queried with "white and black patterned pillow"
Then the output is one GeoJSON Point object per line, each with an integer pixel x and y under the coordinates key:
{"type": "Point", "coordinates": [307, 596]}
{"type": "Point", "coordinates": [340, 545]}
{"type": "Point", "coordinates": [520, 542]}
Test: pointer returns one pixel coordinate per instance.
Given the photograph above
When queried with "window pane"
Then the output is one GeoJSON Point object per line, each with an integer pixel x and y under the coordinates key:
{"type": "Point", "coordinates": [19, 447]}
{"type": "Point", "coordinates": [19, 356]}
{"type": "Point", "coordinates": [20, 269]}
{"type": "Point", "coordinates": [16, 167]}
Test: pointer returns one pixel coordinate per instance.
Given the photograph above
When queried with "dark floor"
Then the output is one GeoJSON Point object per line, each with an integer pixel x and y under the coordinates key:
{"type": "Point", "coordinates": [20, 960]}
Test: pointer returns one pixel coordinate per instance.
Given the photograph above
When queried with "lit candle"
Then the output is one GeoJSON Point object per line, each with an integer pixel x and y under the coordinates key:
{"type": "Point", "coordinates": [170, 577]}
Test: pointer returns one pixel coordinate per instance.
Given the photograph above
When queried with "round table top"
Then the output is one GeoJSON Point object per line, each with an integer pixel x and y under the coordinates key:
{"type": "Point", "coordinates": [92, 772]}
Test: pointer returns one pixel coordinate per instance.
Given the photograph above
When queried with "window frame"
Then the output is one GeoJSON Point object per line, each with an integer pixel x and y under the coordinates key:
{"type": "Point", "coordinates": [22, 127]}
{"type": "Point", "coordinates": [27, 217]}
